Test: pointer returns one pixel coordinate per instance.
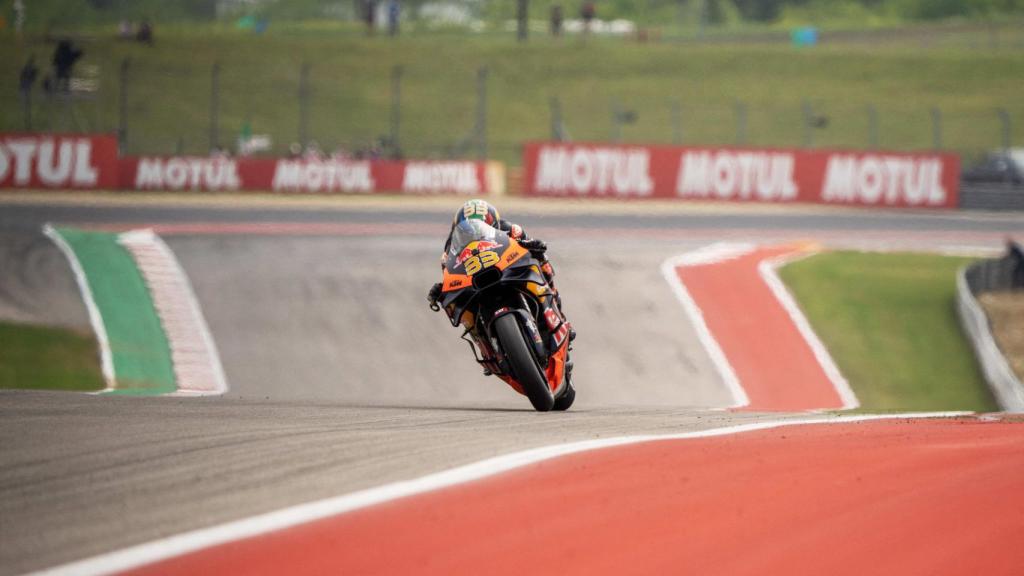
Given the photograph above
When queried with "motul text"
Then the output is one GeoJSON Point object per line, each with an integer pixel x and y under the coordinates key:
{"type": "Point", "coordinates": [742, 175]}
{"type": "Point", "coordinates": [57, 161]}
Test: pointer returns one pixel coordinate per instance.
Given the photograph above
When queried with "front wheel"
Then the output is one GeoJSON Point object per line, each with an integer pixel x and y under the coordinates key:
{"type": "Point", "coordinates": [566, 399]}
{"type": "Point", "coordinates": [522, 363]}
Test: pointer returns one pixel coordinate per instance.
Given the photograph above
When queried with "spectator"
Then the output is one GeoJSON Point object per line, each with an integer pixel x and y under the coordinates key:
{"type": "Point", "coordinates": [587, 12]}
{"type": "Point", "coordinates": [340, 154]}
{"type": "Point", "coordinates": [312, 151]}
{"type": "Point", "coordinates": [125, 30]}
{"type": "Point", "coordinates": [556, 20]}
{"type": "Point", "coordinates": [1016, 254]}
{"type": "Point", "coordinates": [64, 58]}
{"type": "Point", "coordinates": [394, 11]}
{"type": "Point", "coordinates": [145, 34]}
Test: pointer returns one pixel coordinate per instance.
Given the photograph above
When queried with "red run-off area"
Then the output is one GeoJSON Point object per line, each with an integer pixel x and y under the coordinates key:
{"type": "Point", "coordinates": [941, 496]}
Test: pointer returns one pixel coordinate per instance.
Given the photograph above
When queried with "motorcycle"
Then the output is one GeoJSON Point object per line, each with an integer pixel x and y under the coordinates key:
{"type": "Point", "coordinates": [494, 288]}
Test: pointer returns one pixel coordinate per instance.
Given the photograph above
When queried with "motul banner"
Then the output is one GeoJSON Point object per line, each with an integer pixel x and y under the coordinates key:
{"type": "Point", "coordinates": [311, 175]}
{"type": "Point", "coordinates": [739, 174]}
{"type": "Point", "coordinates": [58, 161]}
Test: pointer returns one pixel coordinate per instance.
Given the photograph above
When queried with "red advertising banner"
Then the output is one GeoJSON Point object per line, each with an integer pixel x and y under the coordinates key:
{"type": "Point", "coordinates": [889, 179]}
{"type": "Point", "coordinates": [310, 175]}
{"type": "Point", "coordinates": [58, 161]}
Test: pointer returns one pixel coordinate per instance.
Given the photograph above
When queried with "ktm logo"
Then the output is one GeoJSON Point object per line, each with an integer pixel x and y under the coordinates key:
{"type": "Point", "coordinates": [456, 283]}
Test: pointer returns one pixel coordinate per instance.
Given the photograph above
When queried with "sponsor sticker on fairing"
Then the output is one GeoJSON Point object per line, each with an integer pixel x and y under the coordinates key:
{"type": "Point", "coordinates": [475, 248]}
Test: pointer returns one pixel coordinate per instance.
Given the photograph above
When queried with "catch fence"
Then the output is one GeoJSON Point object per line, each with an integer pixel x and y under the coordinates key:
{"type": "Point", "coordinates": [395, 111]}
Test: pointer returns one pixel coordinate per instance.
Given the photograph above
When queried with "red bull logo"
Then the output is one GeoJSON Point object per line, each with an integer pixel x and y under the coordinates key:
{"type": "Point", "coordinates": [479, 246]}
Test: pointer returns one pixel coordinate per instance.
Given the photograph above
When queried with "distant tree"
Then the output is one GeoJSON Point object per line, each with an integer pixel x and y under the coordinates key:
{"type": "Point", "coordinates": [714, 13]}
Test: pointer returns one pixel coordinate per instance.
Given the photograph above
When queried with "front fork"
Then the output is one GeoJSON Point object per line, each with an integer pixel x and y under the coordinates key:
{"type": "Point", "coordinates": [558, 329]}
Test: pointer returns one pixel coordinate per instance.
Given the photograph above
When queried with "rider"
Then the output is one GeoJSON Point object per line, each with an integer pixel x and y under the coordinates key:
{"type": "Point", "coordinates": [482, 210]}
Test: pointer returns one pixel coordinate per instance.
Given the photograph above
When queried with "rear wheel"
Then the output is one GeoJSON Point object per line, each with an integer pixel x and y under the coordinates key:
{"type": "Point", "coordinates": [521, 362]}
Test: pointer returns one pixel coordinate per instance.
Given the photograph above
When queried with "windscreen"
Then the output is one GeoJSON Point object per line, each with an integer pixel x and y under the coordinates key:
{"type": "Point", "coordinates": [470, 230]}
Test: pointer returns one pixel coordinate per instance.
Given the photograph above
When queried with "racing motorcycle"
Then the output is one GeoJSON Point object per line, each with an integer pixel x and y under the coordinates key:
{"type": "Point", "coordinates": [494, 287]}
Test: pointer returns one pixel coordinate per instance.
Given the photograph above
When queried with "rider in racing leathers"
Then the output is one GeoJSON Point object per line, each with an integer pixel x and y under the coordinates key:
{"type": "Point", "coordinates": [482, 210]}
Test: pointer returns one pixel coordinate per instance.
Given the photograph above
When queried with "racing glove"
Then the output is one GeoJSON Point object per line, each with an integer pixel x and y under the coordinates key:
{"type": "Point", "coordinates": [535, 246]}
{"type": "Point", "coordinates": [434, 294]}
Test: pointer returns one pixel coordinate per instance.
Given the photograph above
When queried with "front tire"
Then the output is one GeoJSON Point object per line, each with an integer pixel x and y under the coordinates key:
{"type": "Point", "coordinates": [566, 399]}
{"type": "Point", "coordinates": [522, 363]}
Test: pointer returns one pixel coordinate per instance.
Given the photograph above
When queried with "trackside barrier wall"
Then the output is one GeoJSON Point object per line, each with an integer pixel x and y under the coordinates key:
{"type": "Point", "coordinates": [882, 179]}
{"type": "Point", "coordinates": [84, 162]}
{"type": "Point", "coordinates": [90, 162]}
{"type": "Point", "coordinates": [312, 175]}
{"type": "Point", "coordinates": [976, 278]}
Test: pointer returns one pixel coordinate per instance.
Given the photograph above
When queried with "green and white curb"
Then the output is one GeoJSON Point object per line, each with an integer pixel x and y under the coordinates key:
{"type": "Point", "coordinates": [152, 335]}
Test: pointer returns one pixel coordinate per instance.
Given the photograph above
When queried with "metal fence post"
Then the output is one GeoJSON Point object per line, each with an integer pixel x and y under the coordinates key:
{"type": "Point", "coordinates": [808, 116]}
{"type": "Point", "coordinates": [522, 20]}
{"type": "Point", "coordinates": [122, 107]}
{"type": "Point", "coordinates": [1004, 120]}
{"type": "Point", "coordinates": [557, 130]}
{"type": "Point", "coordinates": [936, 128]}
{"type": "Point", "coordinates": [872, 127]}
{"type": "Point", "coordinates": [26, 97]}
{"type": "Point", "coordinates": [741, 123]}
{"type": "Point", "coordinates": [616, 112]}
{"type": "Point", "coordinates": [215, 106]}
{"type": "Point", "coordinates": [303, 104]}
{"type": "Point", "coordinates": [481, 112]}
{"type": "Point", "coordinates": [677, 123]}
{"type": "Point", "coordinates": [396, 105]}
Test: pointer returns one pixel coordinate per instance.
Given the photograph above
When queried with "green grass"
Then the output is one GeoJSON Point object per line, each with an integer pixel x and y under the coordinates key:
{"type": "Point", "coordinates": [43, 358]}
{"type": "Point", "coordinates": [890, 323]}
{"type": "Point", "coordinates": [170, 84]}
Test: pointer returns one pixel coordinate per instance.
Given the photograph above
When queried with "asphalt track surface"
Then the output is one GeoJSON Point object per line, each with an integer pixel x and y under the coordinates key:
{"type": "Point", "coordinates": [340, 378]}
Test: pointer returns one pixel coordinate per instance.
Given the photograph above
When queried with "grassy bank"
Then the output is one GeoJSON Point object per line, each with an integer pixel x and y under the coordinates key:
{"type": "Point", "coordinates": [890, 324]}
{"type": "Point", "coordinates": [42, 358]}
{"type": "Point", "coordinates": [169, 89]}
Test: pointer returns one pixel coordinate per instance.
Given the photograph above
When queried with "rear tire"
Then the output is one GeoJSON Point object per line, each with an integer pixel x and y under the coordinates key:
{"type": "Point", "coordinates": [522, 363]}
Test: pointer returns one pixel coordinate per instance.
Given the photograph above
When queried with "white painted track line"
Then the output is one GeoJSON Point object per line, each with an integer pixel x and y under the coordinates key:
{"type": "Point", "coordinates": [95, 318]}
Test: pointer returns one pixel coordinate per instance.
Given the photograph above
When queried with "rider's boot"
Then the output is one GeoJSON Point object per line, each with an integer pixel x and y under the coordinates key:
{"type": "Point", "coordinates": [549, 277]}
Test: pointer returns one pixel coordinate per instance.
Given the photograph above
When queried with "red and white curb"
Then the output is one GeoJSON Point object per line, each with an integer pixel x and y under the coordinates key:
{"type": "Point", "coordinates": [197, 367]}
{"type": "Point", "coordinates": [189, 542]}
{"type": "Point", "coordinates": [769, 272]}
{"type": "Point", "coordinates": [723, 252]}
{"type": "Point", "coordinates": [711, 254]}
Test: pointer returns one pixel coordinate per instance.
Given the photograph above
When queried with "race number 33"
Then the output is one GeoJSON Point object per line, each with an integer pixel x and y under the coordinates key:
{"type": "Point", "coordinates": [481, 261]}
